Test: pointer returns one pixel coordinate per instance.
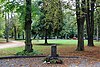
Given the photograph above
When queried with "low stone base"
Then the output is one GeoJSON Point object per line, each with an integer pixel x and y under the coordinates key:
{"type": "Point", "coordinates": [52, 60]}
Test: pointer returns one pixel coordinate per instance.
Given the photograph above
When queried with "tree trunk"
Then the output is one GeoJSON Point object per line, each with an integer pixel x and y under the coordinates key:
{"type": "Point", "coordinates": [23, 35]}
{"type": "Point", "coordinates": [97, 32]}
{"type": "Point", "coordinates": [7, 28]}
{"type": "Point", "coordinates": [18, 35]}
{"type": "Point", "coordinates": [12, 34]}
{"type": "Point", "coordinates": [11, 24]}
{"type": "Point", "coordinates": [90, 23]}
{"type": "Point", "coordinates": [28, 21]}
{"type": "Point", "coordinates": [46, 37]}
{"type": "Point", "coordinates": [80, 46]}
{"type": "Point", "coordinates": [15, 36]}
{"type": "Point", "coordinates": [80, 24]}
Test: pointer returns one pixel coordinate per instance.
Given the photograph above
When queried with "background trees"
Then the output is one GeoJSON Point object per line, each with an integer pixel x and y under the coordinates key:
{"type": "Point", "coordinates": [97, 23]}
{"type": "Point", "coordinates": [2, 25]}
{"type": "Point", "coordinates": [10, 12]}
{"type": "Point", "coordinates": [51, 19]}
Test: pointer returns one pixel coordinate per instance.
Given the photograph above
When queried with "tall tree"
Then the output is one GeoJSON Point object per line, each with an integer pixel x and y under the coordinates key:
{"type": "Point", "coordinates": [2, 24]}
{"type": "Point", "coordinates": [51, 17]}
{"type": "Point", "coordinates": [90, 21]}
{"type": "Point", "coordinates": [7, 27]}
{"type": "Point", "coordinates": [7, 24]}
{"type": "Point", "coordinates": [28, 21]}
{"type": "Point", "coordinates": [80, 23]}
{"type": "Point", "coordinates": [97, 22]}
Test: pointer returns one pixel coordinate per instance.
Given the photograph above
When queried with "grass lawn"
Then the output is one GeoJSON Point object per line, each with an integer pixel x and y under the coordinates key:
{"type": "Point", "coordinates": [66, 47]}
{"type": "Point", "coordinates": [2, 40]}
{"type": "Point", "coordinates": [63, 42]}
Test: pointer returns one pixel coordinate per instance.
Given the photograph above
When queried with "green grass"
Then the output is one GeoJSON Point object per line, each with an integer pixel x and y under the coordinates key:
{"type": "Point", "coordinates": [13, 51]}
{"type": "Point", "coordinates": [63, 42]}
{"type": "Point", "coordinates": [10, 51]}
{"type": "Point", "coordinates": [56, 41]}
{"type": "Point", "coordinates": [2, 40]}
{"type": "Point", "coordinates": [42, 48]}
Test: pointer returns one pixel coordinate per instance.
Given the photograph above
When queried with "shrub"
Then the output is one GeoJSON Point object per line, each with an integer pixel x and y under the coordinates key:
{"type": "Point", "coordinates": [25, 53]}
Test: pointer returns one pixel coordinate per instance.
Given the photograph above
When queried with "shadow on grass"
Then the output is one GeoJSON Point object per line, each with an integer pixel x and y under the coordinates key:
{"type": "Point", "coordinates": [48, 44]}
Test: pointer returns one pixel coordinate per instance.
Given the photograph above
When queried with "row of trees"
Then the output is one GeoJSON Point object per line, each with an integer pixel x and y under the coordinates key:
{"type": "Point", "coordinates": [52, 17]}
{"type": "Point", "coordinates": [69, 23]}
{"type": "Point", "coordinates": [10, 11]}
{"type": "Point", "coordinates": [85, 11]}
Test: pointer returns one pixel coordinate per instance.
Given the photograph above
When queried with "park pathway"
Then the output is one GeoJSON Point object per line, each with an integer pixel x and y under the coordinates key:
{"type": "Point", "coordinates": [37, 62]}
{"type": "Point", "coordinates": [11, 44]}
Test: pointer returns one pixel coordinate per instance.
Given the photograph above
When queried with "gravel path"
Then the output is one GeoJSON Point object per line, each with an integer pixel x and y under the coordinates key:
{"type": "Point", "coordinates": [11, 44]}
{"type": "Point", "coordinates": [37, 62]}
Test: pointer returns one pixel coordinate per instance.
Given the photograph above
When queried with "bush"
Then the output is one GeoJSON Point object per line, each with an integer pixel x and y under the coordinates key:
{"type": "Point", "coordinates": [25, 53]}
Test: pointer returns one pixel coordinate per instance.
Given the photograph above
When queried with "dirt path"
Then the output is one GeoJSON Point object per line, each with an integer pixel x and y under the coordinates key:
{"type": "Point", "coordinates": [11, 44]}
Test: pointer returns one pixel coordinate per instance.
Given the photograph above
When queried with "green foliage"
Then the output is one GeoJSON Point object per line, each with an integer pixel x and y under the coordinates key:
{"type": "Point", "coordinates": [25, 53]}
{"type": "Point", "coordinates": [52, 17]}
{"type": "Point", "coordinates": [97, 19]}
{"type": "Point", "coordinates": [17, 10]}
{"type": "Point", "coordinates": [69, 23]}
{"type": "Point", "coordinates": [98, 1]}
{"type": "Point", "coordinates": [48, 17]}
{"type": "Point", "coordinates": [1, 1]}
{"type": "Point", "coordinates": [2, 25]}
{"type": "Point", "coordinates": [9, 6]}
{"type": "Point", "coordinates": [97, 15]}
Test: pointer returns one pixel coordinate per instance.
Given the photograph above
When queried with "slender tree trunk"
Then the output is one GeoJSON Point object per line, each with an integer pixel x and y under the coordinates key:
{"type": "Point", "coordinates": [28, 21]}
{"type": "Point", "coordinates": [12, 34]}
{"type": "Point", "coordinates": [23, 35]}
{"type": "Point", "coordinates": [7, 27]}
{"type": "Point", "coordinates": [92, 22]}
{"type": "Point", "coordinates": [97, 32]}
{"type": "Point", "coordinates": [88, 21]}
{"type": "Point", "coordinates": [15, 36]}
{"type": "Point", "coordinates": [14, 26]}
{"type": "Point", "coordinates": [46, 37]}
{"type": "Point", "coordinates": [12, 23]}
{"type": "Point", "coordinates": [18, 35]}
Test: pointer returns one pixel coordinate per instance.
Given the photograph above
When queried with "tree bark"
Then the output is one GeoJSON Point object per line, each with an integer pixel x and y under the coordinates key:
{"type": "Point", "coordinates": [12, 34]}
{"type": "Point", "coordinates": [18, 35]}
{"type": "Point", "coordinates": [15, 36]}
{"type": "Point", "coordinates": [80, 46]}
{"type": "Point", "coordinates": [7, 28]}
{"type": "Point", "coordinates": [28, 21]}
{"type": "Point", "coordinates": [80, 24]}
{"type": "Point", "coordinates": [90, 22]}
{"type": "Point", "coordinates": [97, 31]}
{"type": "Point", "coordinates": [23, 35]}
